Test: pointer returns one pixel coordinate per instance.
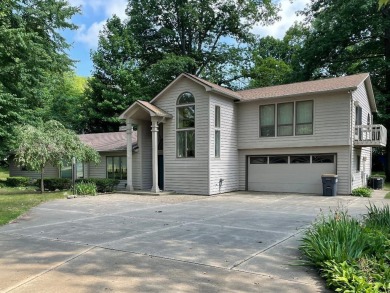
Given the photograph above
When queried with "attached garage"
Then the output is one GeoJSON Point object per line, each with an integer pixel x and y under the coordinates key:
{"type": "Point", "coordinates": [300, 173]}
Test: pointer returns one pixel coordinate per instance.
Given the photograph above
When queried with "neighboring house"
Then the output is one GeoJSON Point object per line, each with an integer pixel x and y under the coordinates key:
{"type": "Point", "coordinates": [112, 148]}
{"type": "Point", "coordinates": [196, 137]}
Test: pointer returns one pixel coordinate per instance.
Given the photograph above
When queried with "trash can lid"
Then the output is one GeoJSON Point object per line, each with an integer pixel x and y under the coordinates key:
{"type": "Point", "coordinates": [330, 175]}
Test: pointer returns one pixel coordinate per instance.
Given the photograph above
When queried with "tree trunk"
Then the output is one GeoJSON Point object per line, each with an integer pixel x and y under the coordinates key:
{"type": "Point", "coordinates": [42, 185]}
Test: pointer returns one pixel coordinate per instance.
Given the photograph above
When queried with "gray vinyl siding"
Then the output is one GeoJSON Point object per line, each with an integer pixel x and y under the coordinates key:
{"type": "Point", "coordinates": [186, 175]}
{"type": "Point", "coordinates": [330, 123]}
{"type": "Point", "coordinates": [226, 166]}
{"type": "Point", "coordinates": [145, 153]}
{"type": "Point", "coordinates": [136, 164]}
{"type": "Point", "coordinates": [359, 177]}
{"type": "Point", "coordinates": [343, 162]}
{"type": "Point", "coordinates": [49, 172]}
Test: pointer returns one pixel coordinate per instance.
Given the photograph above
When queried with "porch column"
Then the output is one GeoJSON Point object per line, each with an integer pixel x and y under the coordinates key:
{"type": "Point", "coordinates": [155, 187]}
{"type": "Point", "coordinates": [129, 132]}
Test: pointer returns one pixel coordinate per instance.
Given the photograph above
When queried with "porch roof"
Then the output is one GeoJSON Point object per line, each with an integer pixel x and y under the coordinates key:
{"type": "Point", "coordinates": [152, 110]}
{"type": "Point", "coordinates": [108, 141]}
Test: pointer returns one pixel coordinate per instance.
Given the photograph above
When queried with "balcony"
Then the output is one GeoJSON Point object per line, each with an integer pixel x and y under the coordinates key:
{"type": "Point", "coordinates": [370, 135]}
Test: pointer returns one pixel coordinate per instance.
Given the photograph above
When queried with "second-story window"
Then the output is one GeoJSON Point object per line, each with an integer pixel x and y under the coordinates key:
{"type": "Point", "coordinates": [267, 120]}
{"type": "Point", "coordinates": [285, 119]}
{"type": "Point", "coordinates": [217, 124]}
{"type": "Point", "coordinates": [185, 126]}
{"type": "Point", "coordinates": [304, 118]}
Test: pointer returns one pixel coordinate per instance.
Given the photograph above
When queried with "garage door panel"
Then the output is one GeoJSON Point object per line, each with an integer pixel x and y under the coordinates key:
{"type": "Point", "coordinates": [301, 178]}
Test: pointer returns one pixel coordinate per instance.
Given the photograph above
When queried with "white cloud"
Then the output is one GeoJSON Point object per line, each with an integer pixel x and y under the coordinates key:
{"type": "Point", "coordinates": [89, 34]}
{"type": "Point", "coordinates": [287, 18]}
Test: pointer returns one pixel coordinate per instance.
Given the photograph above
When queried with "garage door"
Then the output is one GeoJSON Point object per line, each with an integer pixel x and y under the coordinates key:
{"type": "Point", "coordinates": [289, 173]}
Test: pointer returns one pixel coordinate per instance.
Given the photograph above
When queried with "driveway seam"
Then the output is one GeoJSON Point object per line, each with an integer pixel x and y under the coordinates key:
{"type": "Point", "coordinates": [28, 280]}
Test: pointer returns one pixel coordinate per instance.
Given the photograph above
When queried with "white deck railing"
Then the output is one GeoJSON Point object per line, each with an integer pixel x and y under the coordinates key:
{"type": "Point", "coordinates": [370, 135]}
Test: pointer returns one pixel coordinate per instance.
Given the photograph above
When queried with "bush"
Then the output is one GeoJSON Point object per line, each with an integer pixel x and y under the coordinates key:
{"type": "Point", "coordinates": [378, 218]}
{"type": "Point", "coordinates": [85, 188]}
{"type": "Point", "coordinates": [17, 181]}
{"type": "Point", "coordinates": [362, 192]}
{"type": "Point", "coordinates": [102, 184]}
{"type": "Point", "coordinates": [53, 184]}
{"type": "Point", "coordinates": [337, 237]}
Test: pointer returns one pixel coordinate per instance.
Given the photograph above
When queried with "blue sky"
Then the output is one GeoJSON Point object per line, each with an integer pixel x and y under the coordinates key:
{"type": "Point", "coordinates": [95, 13]}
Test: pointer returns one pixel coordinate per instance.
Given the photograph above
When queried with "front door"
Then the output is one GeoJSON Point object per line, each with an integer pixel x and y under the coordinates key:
{"type": "Point", "coordinates": [161, 171]}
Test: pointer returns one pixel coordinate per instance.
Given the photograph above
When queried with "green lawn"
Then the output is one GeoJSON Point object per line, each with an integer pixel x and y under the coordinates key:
{"type": "Point", "coordinates": [17, 201]}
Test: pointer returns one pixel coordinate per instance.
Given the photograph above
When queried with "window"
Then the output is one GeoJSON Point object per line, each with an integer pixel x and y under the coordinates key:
{"type": "Point", "coordinates": [285, 119]}
{"type": "Point", "coordinates": [304, 118]}
{"type": "Point", "coordinates": [278, 159]}
{"type": "Point", "coordinates": [300, 159]}
{"type": "Point", "coordinates": [185, 125]}
{"type": "Point", "coordinates": [117, 168]}
{"type": "Point", "coordinates": [258, 160]}
{"type": "Point", "coordinates": [322, 159]}
{"type": "Point", "coordinates": [357, 163]}
{"type": "Point", "coordinates": [267, 120]}
{"type": "Point", "coordinates": [217, 123]}
{"type": "Point", "coordinates": [66, 170]}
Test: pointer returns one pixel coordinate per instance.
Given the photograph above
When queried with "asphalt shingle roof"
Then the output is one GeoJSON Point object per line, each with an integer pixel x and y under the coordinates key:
{"type": "Point", "coordinates": [108, 141]}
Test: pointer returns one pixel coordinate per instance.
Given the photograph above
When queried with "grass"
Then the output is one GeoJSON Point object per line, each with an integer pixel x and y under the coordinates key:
{"type": "Point", "coordinates": [15, 201]}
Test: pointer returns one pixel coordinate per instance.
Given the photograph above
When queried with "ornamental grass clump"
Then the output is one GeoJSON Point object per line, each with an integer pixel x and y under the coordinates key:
{"type": "Point", "coordinates": [336, 237]}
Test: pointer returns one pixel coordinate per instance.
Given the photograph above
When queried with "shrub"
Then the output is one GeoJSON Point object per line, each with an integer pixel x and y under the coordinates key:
{"type": "Point", "coordinates": [85, 188]}
{"type": "Point", "coordinates": [55, 183]}
{"type": "Point", "coordinates": [17, 181]}
{"type": "Point", "coordinates": [336, 237]}
{"type": "Point", "coordinates": [102, 184]}
{"type": "Point", "coordinates": [362, 192]}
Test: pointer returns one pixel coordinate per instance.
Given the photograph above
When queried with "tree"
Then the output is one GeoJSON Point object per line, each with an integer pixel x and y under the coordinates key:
{"type": "Point", "coordinates": [32, 51]}
{"type": "Point", "coordinates": [50, 144]}
{"type": "Point", "coordinates": [337, 47]}
{"type": "Point", "coordinates": [116, 81]}
{"type": "Point", "coordinates": [163, 38]}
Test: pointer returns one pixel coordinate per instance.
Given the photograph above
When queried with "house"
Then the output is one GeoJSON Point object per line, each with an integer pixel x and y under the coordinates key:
{"type": "Point", "coordinates": [196, 137]}
{"type": "Point", "coordinates": [112, 148]}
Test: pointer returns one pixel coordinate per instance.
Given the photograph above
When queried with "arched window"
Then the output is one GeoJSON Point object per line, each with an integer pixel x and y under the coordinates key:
{"type": "Point", "coordinates": [185, 125]}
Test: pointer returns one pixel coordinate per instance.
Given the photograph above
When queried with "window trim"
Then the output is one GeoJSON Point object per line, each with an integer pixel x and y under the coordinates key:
{"type": "Point", "coordinates": [120, 167]}
{"type": "Point", "coordinates": [186, 130]}
{"type": "Point", "coordinates": [217, 129]}
{"type": "Point", "coordinates": [294, 119]}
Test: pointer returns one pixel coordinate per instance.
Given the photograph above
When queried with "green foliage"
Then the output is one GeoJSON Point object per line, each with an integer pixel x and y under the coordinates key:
{"type": "Point", "coordinates": [102, 184]}
{"type": "Point", "coordinates": [84, 188]}
{"type": "Point", "coordinates": [17, 181]}
{"type": "Point", "coordinates": [137, 58]}
{"type": "Point", "coordinates": [336, 237]}
{"type": "Point", "coordinates": [366, 266]}
{"type": "Point", "coordinates": [53, 184]}
{"type": "Point", "coordinates": [378, 218]}
{"type": "Point", "coordinates": [50, 143]}
{"type": "Point", "coordinates": [32, 51]}
{"type": "Point", "coordinates": [367, 275]}
{"type": "Point", "coordinates": [362, 192]}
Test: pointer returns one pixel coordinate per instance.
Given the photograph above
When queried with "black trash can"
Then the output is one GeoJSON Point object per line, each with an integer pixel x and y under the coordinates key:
{"type": "Point", "coordinates": [329, 184]}
{"type": "Point", "coordinates": [376, 182]}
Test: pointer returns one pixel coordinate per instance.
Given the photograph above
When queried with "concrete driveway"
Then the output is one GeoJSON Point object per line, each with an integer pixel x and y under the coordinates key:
{"type": "Point", "coordinates": [236, 242]}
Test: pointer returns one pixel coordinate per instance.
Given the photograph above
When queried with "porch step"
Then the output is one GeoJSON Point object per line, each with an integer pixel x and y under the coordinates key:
{"type": "Point", "coordinates": [146, 192]}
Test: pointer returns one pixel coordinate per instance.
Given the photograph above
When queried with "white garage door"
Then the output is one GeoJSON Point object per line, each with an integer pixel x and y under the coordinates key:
{"type": "Point", "coordinates": [289, 173]}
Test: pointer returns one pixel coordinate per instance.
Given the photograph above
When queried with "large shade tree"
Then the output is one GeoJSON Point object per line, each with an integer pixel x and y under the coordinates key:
{"type": "Point", "coordinates": [32, 51]}
{"type": "Point", "coordinates": [52, 144]}
{"type": "Point", "coordinates": [159, 40]}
